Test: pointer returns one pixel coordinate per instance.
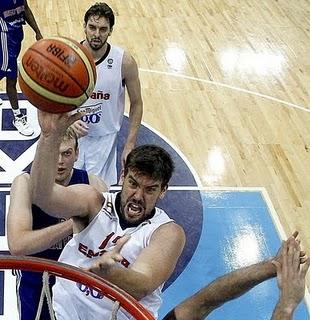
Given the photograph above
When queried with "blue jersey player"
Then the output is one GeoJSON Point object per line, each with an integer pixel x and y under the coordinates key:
{"type": "Point", "coordinates": [33, 232]}
{"type": "Point", "coordinates": [13, 15]}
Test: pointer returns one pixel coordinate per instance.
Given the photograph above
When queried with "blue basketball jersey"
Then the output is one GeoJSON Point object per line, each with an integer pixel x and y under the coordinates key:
{"type": "Point", "coordinates": [12, 15]}
{"type": "Point", "coordinates": [12, 18]}
{"type": "Point", "coordinates": [29, 284]}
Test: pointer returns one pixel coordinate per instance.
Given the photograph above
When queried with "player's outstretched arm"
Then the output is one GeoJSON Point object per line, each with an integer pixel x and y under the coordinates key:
{"type": "Point", "coordinates": [22, 239]}
{"type": "Point", "coordinates": [57, 200]}
{"type": "Point", "coordinates": [291, 280]}
{"type": "Point", "coordinates": [226, 288]}
{"type": "Point", "coordinates": [221, 290]}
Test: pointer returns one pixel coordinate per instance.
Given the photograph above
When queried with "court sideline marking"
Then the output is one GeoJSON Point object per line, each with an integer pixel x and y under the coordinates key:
{"type": "Point", "coordinates": [220, 84]}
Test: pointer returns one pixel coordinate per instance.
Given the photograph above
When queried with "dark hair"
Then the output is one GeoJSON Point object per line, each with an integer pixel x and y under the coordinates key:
{"type": "Point", "coordinates": [100, 9]}
{"type": "Point", "coordinates": [151, 160]}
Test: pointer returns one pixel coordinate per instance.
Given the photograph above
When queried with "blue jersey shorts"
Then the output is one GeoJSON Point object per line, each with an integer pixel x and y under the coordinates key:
{"type": "Point", "coordinates": [10, 42]}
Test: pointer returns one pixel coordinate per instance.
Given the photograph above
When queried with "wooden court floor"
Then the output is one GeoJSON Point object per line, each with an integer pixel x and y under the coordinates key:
{"type": "Point", "coordinates": [226, 81]}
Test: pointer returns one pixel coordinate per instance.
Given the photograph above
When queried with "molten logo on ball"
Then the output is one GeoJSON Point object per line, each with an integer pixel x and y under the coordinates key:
{"type": "Point", "coordinates": [47, 76]}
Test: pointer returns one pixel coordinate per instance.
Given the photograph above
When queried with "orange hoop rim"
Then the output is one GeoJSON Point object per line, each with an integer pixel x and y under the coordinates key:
{"type": "Point", "coordinates": [72, 273]}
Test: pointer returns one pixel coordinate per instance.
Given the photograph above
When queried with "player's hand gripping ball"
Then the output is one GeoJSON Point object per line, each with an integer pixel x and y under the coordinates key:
{"type": "Point", "coordinates": [57, 74]}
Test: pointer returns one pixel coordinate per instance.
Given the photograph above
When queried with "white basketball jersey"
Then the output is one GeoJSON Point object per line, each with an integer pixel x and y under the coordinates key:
{"type": "Point", "coordinates": [105, 107]}
{"type": "Point", "coordinates": [76, 301]}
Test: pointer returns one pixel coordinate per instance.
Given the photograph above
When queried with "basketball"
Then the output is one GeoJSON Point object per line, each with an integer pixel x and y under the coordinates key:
{"type": "Point", "coordinates": [57, 74]}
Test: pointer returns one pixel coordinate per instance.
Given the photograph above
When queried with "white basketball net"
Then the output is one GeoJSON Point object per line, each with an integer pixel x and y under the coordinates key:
{"type": "Point", "coordinates": [47, 293]}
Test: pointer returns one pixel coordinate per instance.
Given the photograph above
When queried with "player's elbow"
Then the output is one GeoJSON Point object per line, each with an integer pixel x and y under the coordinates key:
{"type": "Point", "coordinates": [145, 288]}
{"type": "Point", "coordinates": [142, 292]}
{"type": "Point", "coordinates": [17, 248]}
{"type": "Point", "coordinates": [20, 245]}
{"type": "Point", "coordinates": [17, 252]}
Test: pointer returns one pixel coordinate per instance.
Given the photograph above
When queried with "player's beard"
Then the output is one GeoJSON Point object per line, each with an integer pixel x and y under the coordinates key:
{"type": "Point", "coordinates": [97, 46]}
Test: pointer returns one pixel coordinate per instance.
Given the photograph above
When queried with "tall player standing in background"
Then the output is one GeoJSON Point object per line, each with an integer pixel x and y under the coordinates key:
{"type": "Point", "coordinates": [116, 69]}
{"type": "Point", "coordinates": [13, 15]}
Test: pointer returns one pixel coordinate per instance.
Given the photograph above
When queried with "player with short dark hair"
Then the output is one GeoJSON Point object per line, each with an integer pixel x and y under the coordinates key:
{"type": "Point", "coordinates": [116, 71]}
{"type": "Point", "coordinates": [150, 160]}
{"type": "Point", "coordinates": [100, 9]}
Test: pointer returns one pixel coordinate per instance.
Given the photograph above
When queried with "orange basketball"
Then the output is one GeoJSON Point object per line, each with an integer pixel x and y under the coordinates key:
{"type": "Point", "coordinates": [57, 74]}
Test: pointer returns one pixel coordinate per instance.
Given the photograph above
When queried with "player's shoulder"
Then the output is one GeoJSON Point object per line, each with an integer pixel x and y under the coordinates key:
{"type": "Point", "coordinates": [173, 226]}
{"type": "Point", "coordinates": [128, 59]}
{"type": "Point", "coordinates": [171, 235]}
{"type": "Point", "coordinates": [172, 229]}
{"type": "Point", "coordinates": [129, 66]}
{"type": "Point", "coordinates": [20, 182]}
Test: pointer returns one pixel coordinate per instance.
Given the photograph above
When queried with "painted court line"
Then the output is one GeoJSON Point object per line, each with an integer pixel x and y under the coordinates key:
{"type": "Point", "coordinates": [220, 84]}
{"type": "Point", "coordinates": [176, 149]}
{"type": "Point", "coordinates": [281, 232]}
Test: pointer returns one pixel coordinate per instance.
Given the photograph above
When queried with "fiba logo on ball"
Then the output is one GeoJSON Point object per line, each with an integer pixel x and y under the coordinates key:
{"type": "Point", "coordinates": [67, 59]}
{"type": "Point", "coordinates": [57, 74]}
